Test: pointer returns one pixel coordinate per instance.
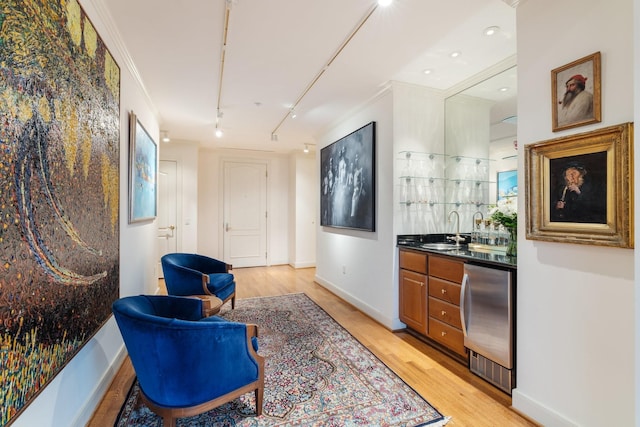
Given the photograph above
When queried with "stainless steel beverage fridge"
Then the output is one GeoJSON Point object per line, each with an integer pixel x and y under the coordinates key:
{"type": "Point", "coordinates": [486, 310]}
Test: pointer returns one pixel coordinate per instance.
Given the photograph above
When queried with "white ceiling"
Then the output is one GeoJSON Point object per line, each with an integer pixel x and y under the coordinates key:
{"type": "Point", "coordinates": [275, 49]}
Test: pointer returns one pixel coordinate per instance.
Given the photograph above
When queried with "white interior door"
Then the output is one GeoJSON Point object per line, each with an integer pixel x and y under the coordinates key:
{"type": "Point", "coordinates": [245, 213]}
{"type": "Point", "coordinates": [167, 210]}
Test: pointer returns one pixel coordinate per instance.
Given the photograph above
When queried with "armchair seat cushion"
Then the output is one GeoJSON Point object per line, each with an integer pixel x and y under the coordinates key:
{"type": "Point", "coordinates": [221, 285]}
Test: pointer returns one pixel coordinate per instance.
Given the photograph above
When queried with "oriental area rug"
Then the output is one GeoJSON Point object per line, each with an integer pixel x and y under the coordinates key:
{"type": "Point", "coordinates": [316, 374]}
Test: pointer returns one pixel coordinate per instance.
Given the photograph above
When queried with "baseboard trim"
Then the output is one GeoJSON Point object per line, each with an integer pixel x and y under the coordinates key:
{"type": "Point", "coordinates": [536, 411]}
{"type": "Point", "coordinates": [101, 389]}
{"type": "Point", "coordinates": [391, 324]}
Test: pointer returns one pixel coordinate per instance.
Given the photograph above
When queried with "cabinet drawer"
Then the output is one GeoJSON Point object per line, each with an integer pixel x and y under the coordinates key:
{"type": "Point", "coordinates": [413, 261]}
{"type": "Point", "coordinates": [447, 335]}
{"type": "Point", "coordinates": [446, 291]}
{"type": "Point", "coordinates": [446, 268]}
{"type": "Point", "coordinates": [445, 312]}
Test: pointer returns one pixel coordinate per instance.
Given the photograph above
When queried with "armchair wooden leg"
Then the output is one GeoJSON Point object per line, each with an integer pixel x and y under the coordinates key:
{"type": "Point", "coordinates": [233, 302]}
{"type": "Point", "coordinates": [259, 397]}
{"type": "Point", "coordinates": [168, 421]}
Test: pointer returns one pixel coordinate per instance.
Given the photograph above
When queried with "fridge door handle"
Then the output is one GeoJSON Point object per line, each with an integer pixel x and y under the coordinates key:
{"type": "Point", "coordinates": [463, 293]}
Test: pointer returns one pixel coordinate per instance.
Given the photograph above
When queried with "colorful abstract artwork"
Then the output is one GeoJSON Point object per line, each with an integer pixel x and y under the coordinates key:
{"type": "Point", "coordinates": [59, 188]}
{"type": "Point", "coordinates": [143, 164]}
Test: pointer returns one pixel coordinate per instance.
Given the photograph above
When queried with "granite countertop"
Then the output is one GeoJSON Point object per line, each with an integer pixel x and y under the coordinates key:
{"type": "Point", "coordinates": [416, 242]}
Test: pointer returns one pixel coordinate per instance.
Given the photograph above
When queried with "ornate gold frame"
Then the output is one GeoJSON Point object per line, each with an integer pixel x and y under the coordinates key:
{"type": "Point", "coordinates": [615, 145]}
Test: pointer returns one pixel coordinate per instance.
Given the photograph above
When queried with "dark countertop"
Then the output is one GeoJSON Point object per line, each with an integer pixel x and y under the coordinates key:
{"type": "Point", "coordinates": [415, 241]}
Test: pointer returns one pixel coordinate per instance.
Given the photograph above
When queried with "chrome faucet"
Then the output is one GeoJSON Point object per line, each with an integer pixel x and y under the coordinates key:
{"type": "Point", "coordinates": [475, 227]}
{"type": "Point", "coordinates": [457, 237]}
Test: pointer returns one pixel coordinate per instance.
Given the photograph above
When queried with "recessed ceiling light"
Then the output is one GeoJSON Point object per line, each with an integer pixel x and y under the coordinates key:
{"type": "Point", "coordinates": [385, 3]}
{"type": "Point", "coordinates": [427, 71]}
{"type": "Point", "coordinates": [489, 31]}
{"type": "Point", "coordinates": [504, 89]}
{"type": "Point", "coordinates": [455, 54]}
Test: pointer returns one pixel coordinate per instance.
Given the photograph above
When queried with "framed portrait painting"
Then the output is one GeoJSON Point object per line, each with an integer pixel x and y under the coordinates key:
{"type": "Point", "coordinates": [575, 93]}
{"type": "Point", "coordinates": [580, 188]}
{"type": "Point", "coordinates": [143, 163]}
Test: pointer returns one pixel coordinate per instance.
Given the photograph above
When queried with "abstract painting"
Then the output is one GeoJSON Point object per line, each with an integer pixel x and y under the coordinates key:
{"type": "Point", "coordinates": [59, 192]}
{"type": "Point", "coordinates": [143, 166]}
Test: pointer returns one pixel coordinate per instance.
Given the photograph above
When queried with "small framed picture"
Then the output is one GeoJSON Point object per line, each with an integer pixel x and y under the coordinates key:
{"type": "Point", "coordinates": [575, 93]}
{"type": "Point", "coordinates": [143, 163]}
{"type": "Point", "coordinates": [507, 184]}
{"type": "Point", "coordinates": [580, 188]}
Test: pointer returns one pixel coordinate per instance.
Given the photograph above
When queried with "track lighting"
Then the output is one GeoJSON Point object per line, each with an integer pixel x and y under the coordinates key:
{"type": "Point", "coordinates": [165, 136]}
{"type": "Point", "coordinates": [274, 137]}
{"type": "Point", "coordinates": [306, 148]}
{"type": "Point", "coordinates": [219, 132]}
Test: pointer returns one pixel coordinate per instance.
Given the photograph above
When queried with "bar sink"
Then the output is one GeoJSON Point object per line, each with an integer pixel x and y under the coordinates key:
{"type": "Point", "coordinates": [440, 246]}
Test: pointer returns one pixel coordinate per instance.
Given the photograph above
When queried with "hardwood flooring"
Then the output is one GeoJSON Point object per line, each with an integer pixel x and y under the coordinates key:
{"type": "Point", "coordinates": [445, 383]}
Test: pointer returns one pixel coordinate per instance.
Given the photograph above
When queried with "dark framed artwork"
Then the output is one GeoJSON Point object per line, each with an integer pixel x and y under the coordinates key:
{"type": "Point", "coordinates": [347, 181]}
{"type": "Point", "coordinates": [59, 203]}
{"type": "Point", "coordinates": [143, 172]}
{"type": "Point", "coordinates": [580, 188]}
{"type": "Point", "coordinates": [575, 93]}
{"type": "Point", "coordinates": [507, 184]}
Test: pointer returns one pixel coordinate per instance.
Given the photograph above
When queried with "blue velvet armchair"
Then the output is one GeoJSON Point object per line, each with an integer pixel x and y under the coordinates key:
{"type": "Point", "coordinates": [187, 364]}
{"type": "Point", "coordinates": [193, 274]}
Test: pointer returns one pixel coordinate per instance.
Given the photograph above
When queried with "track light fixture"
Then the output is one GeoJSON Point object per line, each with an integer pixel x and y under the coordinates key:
{"type": "Point", "coordinates": [274, 137]}
{"type": "Point", "coordinates": [165, 136]}
{"type": "Point", "coordinates": [306, 148]}
{"type": "Point", "coordinates": [219, 132]}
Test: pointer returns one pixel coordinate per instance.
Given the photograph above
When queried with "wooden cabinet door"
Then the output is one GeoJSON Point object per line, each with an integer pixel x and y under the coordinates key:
{"type": "Point", "coordinates": [413, 300]}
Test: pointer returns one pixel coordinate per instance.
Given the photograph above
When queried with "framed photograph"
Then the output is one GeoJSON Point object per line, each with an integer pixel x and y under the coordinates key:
{"type": "Point", "coordinates": [507, 184]}
{"type": "Point", "coordinates": [347, 181]}
{"type": "Point", "coordinates": [575, 93]}
{"type": "Point", "coordinates": [143, 164]}
{"type": "Point", "coordinates": [580, 188]}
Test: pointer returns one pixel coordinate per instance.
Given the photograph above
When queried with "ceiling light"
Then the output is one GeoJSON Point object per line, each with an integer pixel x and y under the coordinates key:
{"type": "Point", "coordinates": [427, 71]}
{"type": "Point", "coordinates": [165, 136]}
{"type": "Point", "coordinates": [306, 148]}
{"type": "Point", "coordinates": [489, 31]}
{"type": "Point", "coordinates": [293, 114]}
{"type": "Point", "coordinates": [384, 3]}
{"type": "Point", "coordinates": [455, 54]}
{"type": "Point", "coordinates": [274, 137]}
{"type": "Point", "coordinates": [219, 132]}
{"type": "Point", "coordinates": [504, 89]}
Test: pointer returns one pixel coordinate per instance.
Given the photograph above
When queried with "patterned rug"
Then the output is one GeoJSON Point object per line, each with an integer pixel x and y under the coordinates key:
{"type": "Point", "coordinates": [316, 374]}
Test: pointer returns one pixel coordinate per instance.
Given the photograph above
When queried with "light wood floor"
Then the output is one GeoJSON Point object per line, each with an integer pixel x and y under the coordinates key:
{"type": "Point", "coordinates": [446, 384]}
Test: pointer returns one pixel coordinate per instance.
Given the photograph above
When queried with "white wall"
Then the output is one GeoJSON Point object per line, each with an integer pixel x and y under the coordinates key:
{"type": "Point", "coordinates": [210, 236]}
{"type": "Point", "coordinates": [358, 265]}
{"type": "Point", "coordinates": [185, 154]}
{"type": "Point", "coordinates": [575, 310]}
{"type": "Point", "coordinates": [304, 190]}
{"type": "Point", "coordinates": [70, 399]}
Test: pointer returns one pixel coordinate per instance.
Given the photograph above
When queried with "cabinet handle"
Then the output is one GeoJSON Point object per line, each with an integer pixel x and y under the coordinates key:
{"type": "Point", "coordinates": [444, 291]}
{"type": "Point", "coordinates": [443, 333]}
{"type": "Point", "coordinates": [421, 283]}
{"type": "Point", "coordinates": [444, 313]}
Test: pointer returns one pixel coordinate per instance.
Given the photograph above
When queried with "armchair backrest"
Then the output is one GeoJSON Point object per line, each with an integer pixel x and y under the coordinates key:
{"type": "Point", "coordinates": [181, 359]}
{"type": "Point", "coordinates": [183, 272]}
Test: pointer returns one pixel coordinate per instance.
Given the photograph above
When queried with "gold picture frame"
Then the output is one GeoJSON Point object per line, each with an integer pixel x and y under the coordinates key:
{"type": "Point", "coordinates": [576, 94]}
{"type": "Point", "coordinates": [580, 188]}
